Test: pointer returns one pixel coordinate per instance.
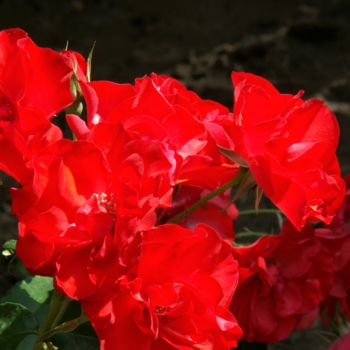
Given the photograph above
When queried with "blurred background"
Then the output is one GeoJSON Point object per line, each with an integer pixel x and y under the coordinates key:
{"type": "Point", "coordinates": [297, 44]}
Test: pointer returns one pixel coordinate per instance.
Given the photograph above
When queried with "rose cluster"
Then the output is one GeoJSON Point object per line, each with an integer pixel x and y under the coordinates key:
{"type": "Point", "coordinates": [130, 210]}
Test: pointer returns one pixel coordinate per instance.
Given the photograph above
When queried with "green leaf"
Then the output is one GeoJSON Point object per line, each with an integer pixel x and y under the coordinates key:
{"type": "Point", "coordinates": [74, 341]}
{"type": "Point", "coordinates": [16, 268]}
{"type": "Point", "coordinates": [9, 247]}
{"type": "Point", "coordinates": [42, 311]}
{"type": "Point", "coordinates": [31, 292]}
{"type": "Point", "coordinates": [84, 337]}
{"type": "Point", "coordinates": [15, 317]}
{"type": "Point", "coordinates": [28, 342]}
{"type": "Point", "coordinates": [17, 326]}
{"type": "Point", "coordinates": [10, 244]}
{"type": "Point", "coordinates": [89, 62]}
{"type": "Point", "coordinates": [18, 341]}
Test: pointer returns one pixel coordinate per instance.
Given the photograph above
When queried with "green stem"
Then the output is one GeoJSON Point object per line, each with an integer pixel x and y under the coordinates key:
{"type": "Point", "coordinates": [68, 326]}
{"type": "Point", "coordinates": [205, 199]}
{"type": "Point", "coordinates": [249, 234]}
{"type": "Point", "coordinates": [64, 306]}
{"type": "Point", "coordinates": [257, 212]}
{"type": "Point", "coordinates": [57, 301]}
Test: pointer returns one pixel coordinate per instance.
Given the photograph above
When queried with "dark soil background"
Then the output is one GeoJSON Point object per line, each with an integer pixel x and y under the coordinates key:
{"type": "Point", "coordinates": [297, 44]}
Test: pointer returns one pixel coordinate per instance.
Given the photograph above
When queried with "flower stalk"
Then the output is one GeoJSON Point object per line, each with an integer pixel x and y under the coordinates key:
{"type": "Point", "coordinates": [58, 307]}
{"type": "Point", "coordinates": [204, 200]}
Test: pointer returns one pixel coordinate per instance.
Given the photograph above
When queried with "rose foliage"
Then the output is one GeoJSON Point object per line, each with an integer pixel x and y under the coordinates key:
{"type": "Point", "coordinates": [132, 214]}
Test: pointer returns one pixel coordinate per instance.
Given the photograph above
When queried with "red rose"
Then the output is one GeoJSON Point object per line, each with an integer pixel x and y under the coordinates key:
{"type": "Point", "coordinates": [85, 203]}
{"type": "Point", "coordinates": [289, 145]}
{"type": "Point", "coordinates": [34, 86]}
{"type": "Point", "coordinates": [51, 208]}
{"type": "Point", "coordinates": [162, 109]}
{"type": "Point", "coordinates": [283, 279]}
{"type": "Point", "coordinates": [175, 297]}
{"type": "Point", "coordinates": [77, 64]}
{"type": "Point", "coordinates": [143, 171]}
{"type": "Point", "coordinates": [336, 238]}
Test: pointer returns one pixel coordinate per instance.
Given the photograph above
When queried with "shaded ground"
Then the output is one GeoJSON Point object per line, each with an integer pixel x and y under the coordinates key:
{"type": "Point", "coordinates": [297, 44]}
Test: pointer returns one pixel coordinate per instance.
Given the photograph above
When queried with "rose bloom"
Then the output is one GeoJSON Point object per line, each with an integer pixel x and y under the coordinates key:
{"type": "Point", "coordinates": [175, 295]}
{"type": "Point", "coordinates": [336, 238]}
{"type": "Point", "coordinates": [34, 87]}
{"type": "Point", "coordinates": [161, 109]}
{"type": "Point", "coordinates": [82, 208]}
{"type": "Point", "coordinates": [289, 146]}
{"type": "Point", "coordinates": [283, 279]}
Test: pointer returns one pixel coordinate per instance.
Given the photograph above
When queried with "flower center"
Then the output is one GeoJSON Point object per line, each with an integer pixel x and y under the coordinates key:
{"type": "Point", "coordinates": [106, 202]}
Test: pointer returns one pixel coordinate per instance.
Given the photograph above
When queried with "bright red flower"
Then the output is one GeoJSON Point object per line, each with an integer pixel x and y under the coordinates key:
{"type": "Point", "coordinates": [336, 238]}
{"type": "Point", "coordinates": [175, 297]}
{"type": "Point", "coordinates": [84, 205]}
{"type": "Point", "coordinates": [77, 63]}
{"type": "Point", "coordinates": [34, 86]}
{"type": "Point", "coordinates": [283, 279]}
{"type": "Point", "coordinates": [143, 170]}
{"type": "Point", "coordinates": [66, 213]}
{"type": "Point", "coordinates": [160, 108]}
{"type": "Point", "coordinates": [289, 145]}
